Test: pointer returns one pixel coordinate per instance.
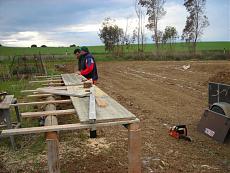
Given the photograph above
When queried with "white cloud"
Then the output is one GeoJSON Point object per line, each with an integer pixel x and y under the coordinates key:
{"type": "Point", "coordinates": [28, 38]}
{"type": "Point", "coordinates": [79, 28]}
{"type": "Point", "coordinates": [175, 16]}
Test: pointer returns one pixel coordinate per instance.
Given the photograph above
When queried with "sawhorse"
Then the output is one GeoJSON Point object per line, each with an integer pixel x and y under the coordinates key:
{"type": "Point", "coordinates": [5, 115]}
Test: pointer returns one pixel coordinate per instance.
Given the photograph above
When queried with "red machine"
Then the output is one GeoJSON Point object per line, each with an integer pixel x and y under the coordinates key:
{"type": "Point", "coordinates": [179, 132]}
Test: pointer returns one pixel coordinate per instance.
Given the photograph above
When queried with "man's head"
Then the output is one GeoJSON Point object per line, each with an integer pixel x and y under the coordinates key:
{"type": "Point", "coordinates": [77, 52]}
{"type": "Point", "coordinates": [84, 50]}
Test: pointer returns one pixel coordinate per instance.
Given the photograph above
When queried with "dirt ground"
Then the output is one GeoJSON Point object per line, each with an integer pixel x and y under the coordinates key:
{"type": "Point", "coordinates": [160, 94]}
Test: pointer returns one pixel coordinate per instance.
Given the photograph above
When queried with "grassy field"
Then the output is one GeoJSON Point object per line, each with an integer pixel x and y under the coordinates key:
{"type": "Point", "coordinates": [202, 46]}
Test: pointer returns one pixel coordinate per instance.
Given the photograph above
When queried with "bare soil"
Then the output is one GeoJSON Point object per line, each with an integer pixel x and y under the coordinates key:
{"type": "Point", "coordinates": [164, 94]}
{"type": "Point", "coordinates": [160, 94]}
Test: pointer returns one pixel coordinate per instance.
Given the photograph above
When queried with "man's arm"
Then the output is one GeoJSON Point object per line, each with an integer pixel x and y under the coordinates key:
{"type": "Point", "coordinates": [89, 66]}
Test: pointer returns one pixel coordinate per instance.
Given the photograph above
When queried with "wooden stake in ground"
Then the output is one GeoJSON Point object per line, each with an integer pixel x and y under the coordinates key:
{"type": "Point", "coordinates": [52, 140]}
{"type": "Point", "coordinates": [134, 148]}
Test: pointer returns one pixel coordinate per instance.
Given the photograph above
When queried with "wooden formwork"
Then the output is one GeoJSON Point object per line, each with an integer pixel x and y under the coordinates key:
{"type": "Point", "coordinates": [107, 112]}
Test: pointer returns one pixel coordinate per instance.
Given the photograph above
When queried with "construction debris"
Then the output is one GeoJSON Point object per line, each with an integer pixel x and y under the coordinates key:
{"type": "Point", "coordinates": [186, 67]}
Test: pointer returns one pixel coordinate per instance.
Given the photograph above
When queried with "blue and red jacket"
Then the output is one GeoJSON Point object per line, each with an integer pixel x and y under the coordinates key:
{"type": "Point", "coordinates": [88, 67]}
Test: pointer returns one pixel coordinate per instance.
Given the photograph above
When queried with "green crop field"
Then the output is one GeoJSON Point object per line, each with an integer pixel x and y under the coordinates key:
{"type": "Point", "coordinates": [201, 46]}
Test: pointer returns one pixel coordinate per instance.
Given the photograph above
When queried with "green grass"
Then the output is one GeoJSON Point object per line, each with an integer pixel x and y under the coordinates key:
{"type": "Point", "coordinates": [14, 86]}
{"type": "Point", "coordinates": [11, 51]}
{"type": "Point", "coordinates": [213, 46]}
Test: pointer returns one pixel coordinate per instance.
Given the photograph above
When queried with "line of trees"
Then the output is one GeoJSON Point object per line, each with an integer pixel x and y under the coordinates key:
{"type": "Point", "coordinates": [113, 36]}
{"type": "Point", "coordinates": [34, 45]}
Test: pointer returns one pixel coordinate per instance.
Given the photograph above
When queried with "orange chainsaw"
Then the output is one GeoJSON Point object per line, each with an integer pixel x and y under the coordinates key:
{"type": "Point", "coordinates": [179, 132]}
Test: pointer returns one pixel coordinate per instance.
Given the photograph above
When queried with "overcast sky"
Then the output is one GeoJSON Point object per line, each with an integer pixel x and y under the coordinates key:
{"type": "Point", "coordinates": [66, 22]}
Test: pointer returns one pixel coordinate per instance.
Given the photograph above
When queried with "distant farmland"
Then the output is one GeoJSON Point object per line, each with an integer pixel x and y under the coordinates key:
{"type": "Point", "coordinates": [201, 46]}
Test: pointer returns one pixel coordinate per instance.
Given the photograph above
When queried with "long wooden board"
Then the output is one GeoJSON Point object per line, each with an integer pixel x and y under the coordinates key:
{"type": "Point", "coordinates": [76, 126]}
{"type": "Point", "coordinates": [46, 113]}
{"type": "Point", "coordinates": [53, 84]}
{"type": "Point", "coordinates": [47, 76]}
{"type": "Point", "coordinates": [42, 102]}
{"type": "Point", "coordinates": [92, 106]}
{"type": "Point", "coordinates": [72, 79]}
{"type": "Point", "coordinates": [39, 95]}
{"type": "Point", "coordinates": [46, 81]}
{"type": "Point", "coordinates": [57, 88]}
{"type": "Point", "coordinates": [63, 92]}
{"type": "Point", "coordinates": [113, 110]}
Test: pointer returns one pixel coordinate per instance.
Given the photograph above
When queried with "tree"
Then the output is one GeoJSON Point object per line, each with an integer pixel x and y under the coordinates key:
{"type": "Point", "coordinates": [72, 45]}
{"type": "Point", "coordinates": [43, 46]}
{"type": "Point", "coordinates": [110, 34]}
{"type": "Point", "coordinates": [155, 11]}
{"type": "Point", "coordinates": [196, 22]}
{"type": "Point", "coordinates": [158, 38]}
{"type": "Point", "coordinates": [126, 37]}
{"type": "Point", "coordinates": [0, 45]}
{"type": "Point", "coordinates": [33, 45]}
{"type": "Point", "coordinates": [140, 27]}
{"type": "Point", "coordinates": [170, 34]}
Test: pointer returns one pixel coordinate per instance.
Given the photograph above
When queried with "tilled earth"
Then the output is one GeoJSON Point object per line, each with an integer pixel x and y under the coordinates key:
{"type": "Point", "coordinates": [163, 94]}
{"type": "Point", "coordinates": [160, 94]}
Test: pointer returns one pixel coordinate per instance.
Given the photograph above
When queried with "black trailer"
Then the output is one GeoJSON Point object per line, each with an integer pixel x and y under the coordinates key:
{"type": "Point", "coordinates": [215, 121]}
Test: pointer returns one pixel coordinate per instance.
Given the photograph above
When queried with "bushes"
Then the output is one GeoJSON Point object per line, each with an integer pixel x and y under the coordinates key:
{"type": "Point", "coordinates": [175, 56]}
{"type": "Point", "coordinates": [72, 45]}
{"type": "Point", "coordinates": [33, 45]}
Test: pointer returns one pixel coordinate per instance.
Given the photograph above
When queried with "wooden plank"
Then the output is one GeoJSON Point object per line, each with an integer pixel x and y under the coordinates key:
{"type": "Point", "coordinates": [6, 115]}
{"type": "Point", "coordinates": [100, 102]}
{"type": "Point", "coordinates": [53, 156]}
{"type": "Point", "coordinates": [27, 91]}
{"type": "Point", "coordinates": [46, 113]}
{"type": "Point", "coordinates": [55, 77]}
{"type": "Point", "coordinates": [99, 92]}
{"type": "Point", "coordinates": [56, 88]}
{"type": "Point", "coordinates": [51, 120]}
{"type": "Point", "coordinates": [52, 140]}
{"type": "Point", "coordinates": [62, 92]}
{"type": "Point", "coordinates": [113, 111]}
{"type": "Point", "coordinates": [47, 76]}
{"type": "Point", "coordinates": [53, 84]}
{"type": "Point", "coordinates": [39, 95]}
{"type": "Point", "coordinates": [64, 127]}
{"type": "Point", "coordinates": [5, 104]}
{"type": "Point", "coordinates": [92, 106]}
{"type": "Point", "coordinates": [46, 81]}
{"type": "Point", "coordinates": [42, 102]}
{"type": "Point", "coordinates": [72, 79]}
